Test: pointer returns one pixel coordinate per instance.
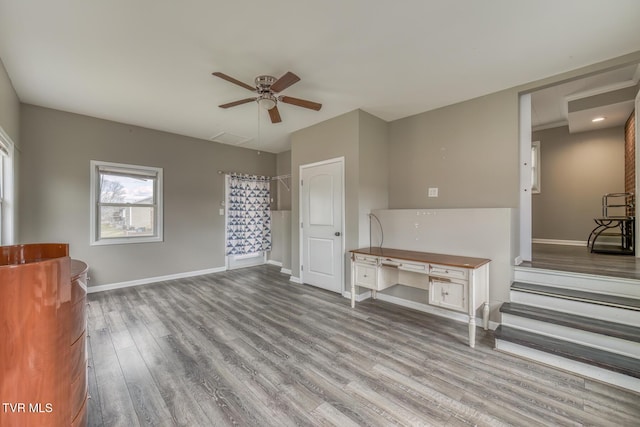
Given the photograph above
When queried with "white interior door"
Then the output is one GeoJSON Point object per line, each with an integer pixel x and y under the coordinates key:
{"type": "Point", "coordinates": [321, 200]}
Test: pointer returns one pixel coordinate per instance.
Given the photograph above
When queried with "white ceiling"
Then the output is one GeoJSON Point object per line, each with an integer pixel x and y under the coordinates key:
{"type": "Point", "coordinates": [149, 62]}
{"type": "Point", "coordinates": [549, 106]}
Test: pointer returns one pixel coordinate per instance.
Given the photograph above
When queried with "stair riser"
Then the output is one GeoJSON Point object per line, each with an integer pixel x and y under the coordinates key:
{"type": "Point", "coordinates": [589, 371]}
{"type": "Point", "coordinates": [612, 314]}
{"type": "Point", "coordinates": [602, 342]}
{"type": "Point", "coordinates": [600, 284]}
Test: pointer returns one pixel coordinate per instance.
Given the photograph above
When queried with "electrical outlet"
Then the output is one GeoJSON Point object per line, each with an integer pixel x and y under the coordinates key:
{"type": "Point", "coordinates": [433, 192]}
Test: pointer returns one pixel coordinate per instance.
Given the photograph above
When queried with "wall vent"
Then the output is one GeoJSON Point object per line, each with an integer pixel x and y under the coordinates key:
{"type": "Point", "coordinates": [229, 138]}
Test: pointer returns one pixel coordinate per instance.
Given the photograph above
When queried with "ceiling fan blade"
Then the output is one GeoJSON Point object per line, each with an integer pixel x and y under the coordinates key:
{"type": "Point", "coordinates": [234, 103]}
{"type": "Point", "coordinates": [284, 82]}
{"type": "Point", "coordinates": [301, 102]}
{"type": "Point", "coordinates": [234, 81]}
{"type": "Point", "coordinates": [275, 115]}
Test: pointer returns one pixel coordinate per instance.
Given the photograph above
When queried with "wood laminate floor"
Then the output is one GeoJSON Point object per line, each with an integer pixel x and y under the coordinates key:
{"type": "Point", "coordinates": [579, 259]}
{"type": "Point", "coordinates": [249, 348]}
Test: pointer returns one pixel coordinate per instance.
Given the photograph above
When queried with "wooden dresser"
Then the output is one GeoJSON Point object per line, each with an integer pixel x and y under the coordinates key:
{"type": "Point", "coordinates": [453, 282]}
{"type": "Point", "coordinates": [43, 356]}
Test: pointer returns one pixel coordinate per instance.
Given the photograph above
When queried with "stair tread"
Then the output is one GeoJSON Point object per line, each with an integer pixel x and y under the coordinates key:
{"type": "Point", "coordinates": [573, 294]}
{"type": "Point", "coordinates": [581, 353]}
{"type": "Point", "coordinates": [584, 323]}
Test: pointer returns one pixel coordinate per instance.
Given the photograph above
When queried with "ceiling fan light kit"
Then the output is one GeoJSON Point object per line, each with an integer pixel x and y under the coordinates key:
{"type": "Point", "coordinates": [267, 87]}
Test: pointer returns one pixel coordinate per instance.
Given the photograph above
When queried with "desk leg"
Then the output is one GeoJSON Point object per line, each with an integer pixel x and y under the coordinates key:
{"type": "Point", "coordinates": [353, 295]}
{"type": "Point", "coordinates": [485, 315]}
{"type": "Point", "coordinates": [472, 331]}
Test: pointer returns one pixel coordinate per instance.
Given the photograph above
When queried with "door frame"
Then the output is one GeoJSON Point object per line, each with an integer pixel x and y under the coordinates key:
{"type": "Point", "coordinates": [342, 213]}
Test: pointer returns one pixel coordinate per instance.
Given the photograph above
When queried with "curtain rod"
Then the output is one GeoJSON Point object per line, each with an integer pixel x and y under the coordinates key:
{"type": "Point", "coordinates": [280, 178]}
{"type": "Point", "coordinates": [221, 172]}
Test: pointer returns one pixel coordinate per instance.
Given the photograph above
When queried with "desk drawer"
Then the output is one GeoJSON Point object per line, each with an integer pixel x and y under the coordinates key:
{"type": "Point", "coordinates": [364, 259]}
{"type": "Point", "coordinates": [414, 267]}
{"type": "Point", "coordinates": [449, 272]}
{"type": "Point", "coordinates": [366, 275]}
{"type": "Point", "coordinates": [447, 293]}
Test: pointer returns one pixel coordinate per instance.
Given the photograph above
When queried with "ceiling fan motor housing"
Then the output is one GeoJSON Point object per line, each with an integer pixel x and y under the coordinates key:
{"type": "Point", "coordinates": [263, 83]}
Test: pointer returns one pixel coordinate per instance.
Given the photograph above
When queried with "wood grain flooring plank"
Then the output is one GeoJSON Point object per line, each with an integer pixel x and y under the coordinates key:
{"type": "Point", "coordinates": [437, 398]}
{"type": "Point", "coordinates": [327, 415]}
{"type": "Point", "coordinates": [116, 405]}
{"type": "Point", "coordinates": [183, 408]}
{"type": "Point", "coordinates": [249, 347]}
{"type": "Point", "coordinates": [147, 400]}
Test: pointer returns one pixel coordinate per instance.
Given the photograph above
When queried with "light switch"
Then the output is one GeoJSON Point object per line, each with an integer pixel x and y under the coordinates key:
{"type": "Point", "coordinates": [433, 192]}
{"type": "Point", "coordinates": [221, 211]}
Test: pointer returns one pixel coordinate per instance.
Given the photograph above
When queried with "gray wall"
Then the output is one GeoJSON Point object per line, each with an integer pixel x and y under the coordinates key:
{"type": "Point", "coordinates": [373, 191]}
{"type": "Point", "coordinates": [468, 150]}
{"type": "Point", "coordinates": [54, 192]}
{"type": "Point", "coordinates": [333, 138]}
{"type": "Point", "coordinates": [576, 170]}
{"type": "Point", "coordinates": [283, 167]}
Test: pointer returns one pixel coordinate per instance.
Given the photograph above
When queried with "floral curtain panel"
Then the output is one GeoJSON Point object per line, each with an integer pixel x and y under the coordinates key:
{"type": "Point", "coordinates": [249, 214]}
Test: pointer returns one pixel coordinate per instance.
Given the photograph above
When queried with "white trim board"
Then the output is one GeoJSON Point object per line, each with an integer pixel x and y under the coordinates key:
{"type": "Point", "coordinates": [286, 271]}
{"type": "Point", "coordinates": [360, 297]}
{"type": "Point", "coordinates": [150, 280]}
{"type": "Point", "coordinates": [569, 242]}
{"type": "Point", "coordinates": [560, 242]}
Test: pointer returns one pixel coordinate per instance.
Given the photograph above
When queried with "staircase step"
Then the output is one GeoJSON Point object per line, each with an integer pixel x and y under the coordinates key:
{"type": "Point", "coordinates": [581, 353]}
{"type": "Point", "coordinates": [577, 295]}
{"type": "Point", "coordinates": [574, 321]}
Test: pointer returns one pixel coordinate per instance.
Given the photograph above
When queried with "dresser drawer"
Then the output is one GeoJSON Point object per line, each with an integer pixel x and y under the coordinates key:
{"type": "Point", "coordinates": [78, 358]}
{"type": "Point", "coordinates": [448, 293]}
{"type": "Point", "coordinates": [366, 275]}
{"type": "Point", "coordinates": [78, 393]}
{"type": "Point", "coordinates": [449, 272]}
{"type": "Point", "coordinates": [78, 319]}
{"type": "Point", "coordinates": [82, 417]}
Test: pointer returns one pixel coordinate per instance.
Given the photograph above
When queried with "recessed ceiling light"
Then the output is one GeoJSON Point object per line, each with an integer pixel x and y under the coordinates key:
{"type": "Point", "coordinates": [597, 119]}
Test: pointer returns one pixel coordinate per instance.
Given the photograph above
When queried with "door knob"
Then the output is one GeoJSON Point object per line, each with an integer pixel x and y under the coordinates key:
{"type": "Point", "coordinates": [337, 233]}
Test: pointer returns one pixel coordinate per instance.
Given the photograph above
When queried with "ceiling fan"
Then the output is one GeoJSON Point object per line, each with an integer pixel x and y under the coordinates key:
{"type": "Point", "coordinates": [267, 88]}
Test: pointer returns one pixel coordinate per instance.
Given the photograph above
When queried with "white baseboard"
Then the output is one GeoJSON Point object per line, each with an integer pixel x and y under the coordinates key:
{"type": "Point", "coordinates": [285, 271]}
{"type": "Point", "coordinates": [148, 280]}
{"type": "Point", "coordinates": [276, 263]}
{"type": "Point", "coordinates": [295, 279]}
{"type": "Point", "coordinates": [560, 242]}
{"type": "Point", "coordinates": [360, 297]}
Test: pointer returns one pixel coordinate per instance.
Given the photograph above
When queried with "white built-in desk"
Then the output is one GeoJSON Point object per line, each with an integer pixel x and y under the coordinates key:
{"type": "Point", "coordinates": [454, 282]}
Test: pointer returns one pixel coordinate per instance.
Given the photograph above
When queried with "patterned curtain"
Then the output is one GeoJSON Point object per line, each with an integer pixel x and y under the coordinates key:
{"type": "Point", "coordinates": [249, 214]}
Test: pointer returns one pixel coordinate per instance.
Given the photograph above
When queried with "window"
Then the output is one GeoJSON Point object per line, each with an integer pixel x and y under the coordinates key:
{"type": "Point", "coordinates": [535, 167]}
{"type": "Point", "coordinates": [6, 189]}
{"type": "Point", "coordinates": [126, 203]}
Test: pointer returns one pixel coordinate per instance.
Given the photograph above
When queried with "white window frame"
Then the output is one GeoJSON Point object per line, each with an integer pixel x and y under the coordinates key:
{"type": "Point", "coordinates": [535, 167]}
{"type": "Point", "coordinates": [125, 169]}
{"type": "Point", "coordinates": [7, 189]}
